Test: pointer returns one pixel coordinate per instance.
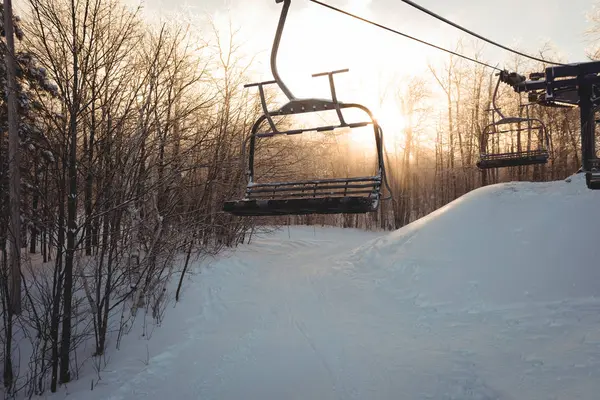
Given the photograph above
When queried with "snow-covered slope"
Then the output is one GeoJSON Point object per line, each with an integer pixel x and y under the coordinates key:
{"type": "Point", "coordinates": [502, 244]}
{"type": "Point", "coordinates": [495, 296]}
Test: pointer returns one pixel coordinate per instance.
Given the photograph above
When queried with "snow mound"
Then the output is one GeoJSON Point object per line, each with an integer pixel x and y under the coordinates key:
{"type": "Point", "coordinates": [498, 245]}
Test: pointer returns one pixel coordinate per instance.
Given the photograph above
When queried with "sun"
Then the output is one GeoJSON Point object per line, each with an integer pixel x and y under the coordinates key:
{"type": "Point", "coordinates": [392, 124]}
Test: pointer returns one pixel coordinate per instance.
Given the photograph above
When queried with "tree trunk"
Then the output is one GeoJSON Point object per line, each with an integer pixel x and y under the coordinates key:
{"type": "Point", "coordinates": [90, 179]}
{"type": "Point", "coordinates": [7, 315]}
{"type": "Point", "coordinates": [185, 267]}
{"type": "Point", "coordinates": [14, 163]}
{"type": "Point", "coordinates": [57, 284]}
{"type": "Point", "coordinates": [65, 375]}
{"type": "Point", "coordinates": [34, 220]}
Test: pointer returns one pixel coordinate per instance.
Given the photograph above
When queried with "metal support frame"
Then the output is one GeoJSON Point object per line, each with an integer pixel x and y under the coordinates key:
{"type": "Point", "coordinates": [570, 85]}
{"type": "Point", "coordinates": [254, 134]}
{"type": "Point", "coordinates": [301, 106]}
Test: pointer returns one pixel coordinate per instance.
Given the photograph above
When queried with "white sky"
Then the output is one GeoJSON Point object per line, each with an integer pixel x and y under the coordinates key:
{"type": "Point", "coordinates": [317, 39]}
{"type": "Point", "coordinates": [511, 22]}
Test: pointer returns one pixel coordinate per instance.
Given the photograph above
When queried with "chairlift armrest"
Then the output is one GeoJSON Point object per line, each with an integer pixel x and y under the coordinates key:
{"type": "Point", "coordinates": [536, 76]}
{"type": "Point", "coordinates": [333, 94]}
{"type": "Point", "coordinates": [259, 84]}
{"type": "Point", "coordinates": [339, 71]}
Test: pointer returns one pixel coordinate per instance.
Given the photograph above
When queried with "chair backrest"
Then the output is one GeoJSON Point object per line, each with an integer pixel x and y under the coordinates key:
{"type": "Point", "coordinates": [350, 187]}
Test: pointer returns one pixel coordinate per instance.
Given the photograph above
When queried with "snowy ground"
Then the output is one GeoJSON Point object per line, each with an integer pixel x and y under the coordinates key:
{"type": "Point", "coordinates": [496, 296]}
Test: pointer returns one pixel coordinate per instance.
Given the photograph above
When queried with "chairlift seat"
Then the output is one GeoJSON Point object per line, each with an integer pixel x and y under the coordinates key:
{"type": "Point", "coordinates": [513, 159]}
{"type": "Point", "coordinates": [592, 176]}
{"type": "Point", "coordinates": [329, 196]}
{"type": "Point", "coordinates": [592, 180]}
{"type": "Point", "coordinates": [326, 205]}
{"type": "Point", "coordinates": [512, 120]}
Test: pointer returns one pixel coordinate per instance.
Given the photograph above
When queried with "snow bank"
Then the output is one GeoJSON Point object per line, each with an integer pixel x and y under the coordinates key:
{"type": "Point", "coordinates": [502, 244]}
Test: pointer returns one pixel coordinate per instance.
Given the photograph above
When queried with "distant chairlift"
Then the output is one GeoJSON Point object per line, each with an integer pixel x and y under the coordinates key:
{"type": "Point", "coordinates": [512, 141]}
{"type": "Point", "coordinates": [319, 196]}
{"type": "Point", "coordinates": [592, 176]}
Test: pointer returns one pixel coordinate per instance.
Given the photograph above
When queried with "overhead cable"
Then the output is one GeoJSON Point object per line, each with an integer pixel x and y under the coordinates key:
{"type": "Point", "coordinates": [439, 17]}
{"type": "Point", "coordinates": [404, 34]}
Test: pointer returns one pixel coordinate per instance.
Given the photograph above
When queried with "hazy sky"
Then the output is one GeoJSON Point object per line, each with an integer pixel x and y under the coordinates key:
{"type": "Point", "coordinates": [317, 39]}
{"type": "Point", "coordinates": [526, 23]}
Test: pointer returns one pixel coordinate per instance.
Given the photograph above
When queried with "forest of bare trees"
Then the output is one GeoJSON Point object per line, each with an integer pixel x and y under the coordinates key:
{"type": "Point", "coordinates": [129, 143]}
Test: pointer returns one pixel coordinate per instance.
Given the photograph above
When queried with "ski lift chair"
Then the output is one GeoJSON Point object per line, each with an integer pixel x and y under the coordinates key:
{"type": "Point", "coordinates": [492, 155]}
{"type": "Point", "coordinates": [317, 196]}
{"type": "Point", "coordinates": [592, 176]}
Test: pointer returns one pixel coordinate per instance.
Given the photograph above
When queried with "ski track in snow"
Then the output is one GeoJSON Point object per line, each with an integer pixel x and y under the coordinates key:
{"type": "Point", "coordinates": [341, 314]}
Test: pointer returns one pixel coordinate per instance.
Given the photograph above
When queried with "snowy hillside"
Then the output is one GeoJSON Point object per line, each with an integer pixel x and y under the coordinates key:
{"type": "Point", "coordinates": [495, 296]}
{"type": "Point", "coordinates": [507, 243]}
